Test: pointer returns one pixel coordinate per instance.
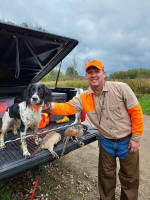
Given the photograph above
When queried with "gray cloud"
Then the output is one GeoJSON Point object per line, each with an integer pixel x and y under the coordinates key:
{"type": "Point", "coordinates": [116, 32]}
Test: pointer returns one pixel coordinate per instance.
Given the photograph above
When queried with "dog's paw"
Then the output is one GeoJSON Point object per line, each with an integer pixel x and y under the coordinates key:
{"type": "Point", "coordinates": [25, 150]}
{"type": "Point", "coordinates": [26, 154]}
{"type": "Point", "coordinates": [37, 141]}
{"type": "Point", "coordinates": [2, 146]}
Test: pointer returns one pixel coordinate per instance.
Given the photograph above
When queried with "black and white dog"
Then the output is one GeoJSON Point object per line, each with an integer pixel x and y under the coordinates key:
{"type": "Point", "coordinates": [26, 114]}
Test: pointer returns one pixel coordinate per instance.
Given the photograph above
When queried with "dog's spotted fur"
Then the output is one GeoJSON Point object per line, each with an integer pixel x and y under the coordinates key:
{"type": "Point", "coordinates": [26, 113]}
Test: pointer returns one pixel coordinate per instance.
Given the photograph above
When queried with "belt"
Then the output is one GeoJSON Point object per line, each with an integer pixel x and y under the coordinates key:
{"type": "Point", "coordinates": [120, 139]}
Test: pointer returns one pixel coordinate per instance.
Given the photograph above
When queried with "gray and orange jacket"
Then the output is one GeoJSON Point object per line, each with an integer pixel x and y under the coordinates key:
{"type": "Point", "coordinates": [122, 114]}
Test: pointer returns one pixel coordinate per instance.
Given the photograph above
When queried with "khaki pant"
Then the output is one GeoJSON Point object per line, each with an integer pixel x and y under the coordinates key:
{"type": "Point", "coordinates": [128, 175]}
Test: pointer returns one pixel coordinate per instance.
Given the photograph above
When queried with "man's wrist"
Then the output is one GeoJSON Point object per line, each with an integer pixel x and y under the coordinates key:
{"type": "Point", "coordinates": [51, 107]}
{"type": "Point", "coordinates": [136, 137]}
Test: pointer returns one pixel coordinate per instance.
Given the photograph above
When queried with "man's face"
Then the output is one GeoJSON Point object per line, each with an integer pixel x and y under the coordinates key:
{"type": "Point", "coordinates": [95, 76]}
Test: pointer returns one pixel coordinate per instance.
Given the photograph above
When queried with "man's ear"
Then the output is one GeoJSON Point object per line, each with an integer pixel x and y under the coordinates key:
{"type": "Point", "coordinates": [104, 74]}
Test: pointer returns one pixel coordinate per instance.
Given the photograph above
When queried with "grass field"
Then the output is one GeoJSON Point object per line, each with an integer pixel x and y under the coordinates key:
{"type": "Point", "coordinates": [144, 100]}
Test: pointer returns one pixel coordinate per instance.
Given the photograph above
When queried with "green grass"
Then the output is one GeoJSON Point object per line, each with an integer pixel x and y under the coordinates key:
{"type": "Point", "coordinates": [144, 100]}
{"type": "Point", "coordinates": [6, 194]}
{"type": "Point", "coordinates": [74, 83]}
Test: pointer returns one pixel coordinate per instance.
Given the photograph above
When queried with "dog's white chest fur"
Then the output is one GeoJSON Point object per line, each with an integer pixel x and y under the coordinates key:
{"type": "Point", "coordinates": [29, 115]}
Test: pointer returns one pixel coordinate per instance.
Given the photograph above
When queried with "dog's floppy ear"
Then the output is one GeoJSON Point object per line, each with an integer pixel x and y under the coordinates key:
{"type": "Point", "coordinates": [26, 95]}
{"type": "Point", "coordinates": [47, 95]}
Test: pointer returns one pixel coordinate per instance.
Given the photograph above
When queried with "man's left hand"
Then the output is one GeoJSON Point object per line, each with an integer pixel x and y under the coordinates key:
{"type": "Point", "coordinates": [133, 146]}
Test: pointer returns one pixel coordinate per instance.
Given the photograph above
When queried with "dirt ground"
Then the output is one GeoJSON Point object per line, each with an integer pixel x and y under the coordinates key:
{"type": "Point", "coordinates": [85, 161]}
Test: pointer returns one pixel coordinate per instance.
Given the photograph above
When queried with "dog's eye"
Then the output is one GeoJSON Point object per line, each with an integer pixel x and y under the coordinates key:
{"type": "Point", "coordinates": [40, 91]}
{"type": "Point", "coordinates": [32, 90]}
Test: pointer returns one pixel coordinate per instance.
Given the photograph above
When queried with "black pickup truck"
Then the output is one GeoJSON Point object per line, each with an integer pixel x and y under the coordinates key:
{"type": "Point", "coordinates": [26, 56]}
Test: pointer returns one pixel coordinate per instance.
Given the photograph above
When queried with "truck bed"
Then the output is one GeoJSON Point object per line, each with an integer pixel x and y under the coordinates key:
{"type": "Point", "coordinates": [12, 161]}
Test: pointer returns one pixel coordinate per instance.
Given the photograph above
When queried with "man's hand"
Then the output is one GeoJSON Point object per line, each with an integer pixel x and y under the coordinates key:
{"type": "Point", "coordinates": [46, 106]}
{"type": "Point", "coordinates": [133, 146]}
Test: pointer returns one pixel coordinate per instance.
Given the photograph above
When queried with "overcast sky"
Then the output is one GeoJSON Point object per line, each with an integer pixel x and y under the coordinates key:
{"type": "Point", "coordinates": [115, 31]}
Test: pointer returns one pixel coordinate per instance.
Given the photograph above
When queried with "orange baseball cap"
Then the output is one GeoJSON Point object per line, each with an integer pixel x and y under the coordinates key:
{"type": "Point", "coordinates": [94, 63]}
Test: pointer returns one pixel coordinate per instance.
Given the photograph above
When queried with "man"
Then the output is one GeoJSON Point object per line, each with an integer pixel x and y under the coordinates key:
{"type": "Point", "coordinates": [113, 108]}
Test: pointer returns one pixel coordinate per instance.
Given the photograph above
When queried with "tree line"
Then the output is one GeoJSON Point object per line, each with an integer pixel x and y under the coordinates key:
{"type": "Point", "coordinates": [131, 74]}
{"type": "Point", "coordinates": [70, 74]}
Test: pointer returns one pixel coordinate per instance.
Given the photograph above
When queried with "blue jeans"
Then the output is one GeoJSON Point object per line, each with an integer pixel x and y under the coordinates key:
{"type": "Point", "coordinates": [118, 149]}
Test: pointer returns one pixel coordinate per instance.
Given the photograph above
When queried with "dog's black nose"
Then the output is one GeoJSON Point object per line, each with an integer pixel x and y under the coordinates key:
{"type": "Point", "coordinates": [34, 98]}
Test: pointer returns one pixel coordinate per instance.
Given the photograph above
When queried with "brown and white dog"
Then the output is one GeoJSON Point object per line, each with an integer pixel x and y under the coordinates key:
{"type": "Point", "coordinates": [26, 113]}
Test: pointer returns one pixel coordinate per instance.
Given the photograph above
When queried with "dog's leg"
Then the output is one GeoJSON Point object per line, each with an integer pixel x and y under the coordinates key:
{"type": "Point", "coordinates": [36, 138]}
{"type": "Point", "coordinates": [14, 129]}
{"type": "Point", "coordinates": [4, 130]}
{"type": "Point", "coordinates": [24, 144]}
{"type": "Point", "coordinates": [6, 123]}
{"type": "Point", "coordinates": [23, 130]}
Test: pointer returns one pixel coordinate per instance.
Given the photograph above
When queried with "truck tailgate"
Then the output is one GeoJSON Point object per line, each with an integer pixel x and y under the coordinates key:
{"type": "Point", "coordinates": [12, 161]}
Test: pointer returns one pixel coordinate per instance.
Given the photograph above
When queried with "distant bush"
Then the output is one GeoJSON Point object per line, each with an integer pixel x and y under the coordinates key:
{"type": "Point", "coordinates": [75, 83]}
{"type": "Point", "coordinates": [131, 74]}
{"type": "Point", "coordinates": [141, 86]}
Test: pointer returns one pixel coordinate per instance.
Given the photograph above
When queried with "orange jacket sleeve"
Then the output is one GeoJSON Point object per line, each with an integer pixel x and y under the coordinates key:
{"type": "Point", "coordinates": [63, 109]}
{"type": "Point", "coordinates": [136, 119]}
